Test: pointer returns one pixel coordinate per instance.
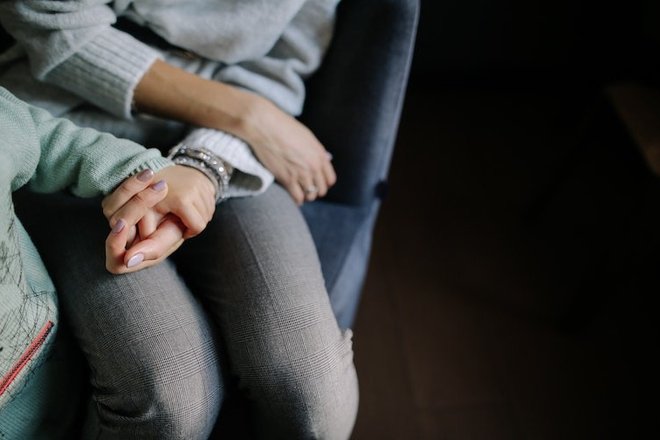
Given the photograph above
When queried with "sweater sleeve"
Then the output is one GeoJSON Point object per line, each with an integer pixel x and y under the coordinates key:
{"type": "Point", "coordinates": [71, 43]}
{"type": "Point", "coordinates": [84, 160]}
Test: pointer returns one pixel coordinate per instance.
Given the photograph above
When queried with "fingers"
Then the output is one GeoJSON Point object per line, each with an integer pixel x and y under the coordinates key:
{"type": "Point", "coordinates": [191, 197]}
{"type": "Point", "coordinates": [149, 223]}
{"type": "Point", "coordinates": [167, 238]}
{"type": "Point", "coordinates": [308, 183]}
{"type": "Point", "coordinates": [115, 246]}
{"type": "Point", "coordinates": [124, 192]}
{"type": "Point", "coordinates": [197, 223]}
{"type": "Point", "coordinates": [137, 206]}
{"type": "Point", "coordinates": [322, 176]}
{"type": "Point", "coordinates": [329, 171]}
{"type": "Point", "coordinates": [295, 190]}
{"type": "Point", "coordinates": [155, 248]}
{"type": "Point", "coordinates": [312, 184]}
{"type": "Point", "coordinates": [194, 215]}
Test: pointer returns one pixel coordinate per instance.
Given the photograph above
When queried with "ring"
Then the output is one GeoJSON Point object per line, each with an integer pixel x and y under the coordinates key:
{"type": "Point", "coordinates": [311, 189]}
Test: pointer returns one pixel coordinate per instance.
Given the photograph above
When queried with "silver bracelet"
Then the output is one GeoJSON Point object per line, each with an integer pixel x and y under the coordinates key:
{"type": "Point", "coordinates": [208, 163]}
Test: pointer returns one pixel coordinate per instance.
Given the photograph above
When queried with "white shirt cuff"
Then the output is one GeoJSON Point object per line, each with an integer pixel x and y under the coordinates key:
{"type": "Point", "coordinates": [250, 177]}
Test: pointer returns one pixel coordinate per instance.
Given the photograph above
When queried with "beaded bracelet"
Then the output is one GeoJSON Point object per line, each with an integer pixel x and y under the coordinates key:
{"type": "Point", "coordinates": [208, 163]}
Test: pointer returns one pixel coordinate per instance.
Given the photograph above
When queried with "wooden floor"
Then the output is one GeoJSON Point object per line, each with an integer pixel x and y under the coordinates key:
{"type": "Point", "coordinates": [472, 323]}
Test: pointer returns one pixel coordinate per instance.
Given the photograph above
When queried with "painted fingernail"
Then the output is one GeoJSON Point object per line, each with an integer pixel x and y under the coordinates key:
{"type": "Point", "coordinates": [135, 260]}
{"type": "Point", "coordinates": [158, 186]}
{"type": "Point", "coordinates": [145, 175]}
{"type": "Point", "coordinates": [118, 227]}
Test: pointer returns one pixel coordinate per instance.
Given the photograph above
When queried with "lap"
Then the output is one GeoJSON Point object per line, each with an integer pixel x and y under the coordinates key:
{"type": "Point", "coordinates": [145, 337]}
{"type": "Point", "coordinates": [255, 270]}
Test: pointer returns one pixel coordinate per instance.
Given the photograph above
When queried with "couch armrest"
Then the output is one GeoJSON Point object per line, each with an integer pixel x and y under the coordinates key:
{"type": "Point", "coordinates": [354, 100]}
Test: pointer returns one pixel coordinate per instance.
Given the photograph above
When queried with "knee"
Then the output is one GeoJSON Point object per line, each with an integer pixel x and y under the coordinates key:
{"type": "Point", "coordinates": [186, 409]}
{"type": "Point", "coordinates": [173, 392]}
{"type": "Point", "coordinates": [318, 394]}
{"type": "Point", "coordinates": [330, 408]}
{"type": "Point", "coordinates": [166, 405]}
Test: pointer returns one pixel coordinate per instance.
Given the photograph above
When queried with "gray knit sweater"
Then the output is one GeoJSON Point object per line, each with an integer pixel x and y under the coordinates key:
{"type": "Point", "coordinates": [75, 55]}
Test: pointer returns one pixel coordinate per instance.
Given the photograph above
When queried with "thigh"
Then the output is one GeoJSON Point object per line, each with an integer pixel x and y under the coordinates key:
{"type": "Point", "coordinates": [257, 260]}
{"type": "Point", "coordinates": [148, 342]}
{"type": "Point", "coordinates": [257, 270]}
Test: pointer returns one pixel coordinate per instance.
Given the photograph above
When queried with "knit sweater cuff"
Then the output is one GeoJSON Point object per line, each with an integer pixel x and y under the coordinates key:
{"type": "Point", "coordinates": [149, 159]}
{"type": "Point", "coordinates": [106, 71]}
{"type": "Point", "coordinates": [250, 177]}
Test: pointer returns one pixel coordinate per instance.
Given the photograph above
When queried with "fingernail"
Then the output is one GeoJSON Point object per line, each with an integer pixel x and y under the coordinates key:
{"type": "Point", "coordinates": [145, 175]}
{"type": "Point", "coordinates": [135, 260]}
{"type": "Point", "coordinates": [158, 186]}
{"type": "Point", "coordinates": [329, 155]}
{"type": "Point", "coordinates": [117, 228]}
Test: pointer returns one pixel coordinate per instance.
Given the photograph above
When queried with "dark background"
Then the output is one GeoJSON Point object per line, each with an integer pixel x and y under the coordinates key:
{"type": "Point", "coordinates": [512, 292]}
{"type": "Point", "coordinates": [556, 41]}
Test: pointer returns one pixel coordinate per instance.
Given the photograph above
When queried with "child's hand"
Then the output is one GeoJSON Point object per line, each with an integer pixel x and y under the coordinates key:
{"type": "Point", "coordinates": [191, 197]}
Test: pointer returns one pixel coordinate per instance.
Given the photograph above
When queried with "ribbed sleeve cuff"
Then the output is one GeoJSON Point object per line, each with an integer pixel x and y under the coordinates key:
{"type": "Point", "coordinates": [148, 159]}
{"type": "Point", "coordinates": [106, 71]}
{"type": "Point", "coordinates": [250, 177]}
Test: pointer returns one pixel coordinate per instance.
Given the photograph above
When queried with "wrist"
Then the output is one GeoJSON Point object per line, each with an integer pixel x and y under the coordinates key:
{"type": "Point", "coordinates": [237, 112]}
{"type": "Point", "coordinates": [213, 167]}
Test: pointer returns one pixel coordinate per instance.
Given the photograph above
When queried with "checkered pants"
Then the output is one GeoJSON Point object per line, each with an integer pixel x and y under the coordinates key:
{"type": "Point", "coordinates": [244, 300]}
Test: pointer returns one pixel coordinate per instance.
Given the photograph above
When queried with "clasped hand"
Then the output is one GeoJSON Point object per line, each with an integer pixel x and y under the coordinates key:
{"type": "Point", "coordinates": [150, 216]}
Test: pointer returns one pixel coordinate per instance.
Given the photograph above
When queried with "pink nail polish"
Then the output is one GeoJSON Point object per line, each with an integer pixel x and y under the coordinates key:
{"type": "Point", "coordinates": [145, 175]}
{"type": "Point", "coordinates": [135, 260]}
{"type": "Point", "coordinates": [158, 186]}
{"type": "Point", "coordinates": [118, 227]}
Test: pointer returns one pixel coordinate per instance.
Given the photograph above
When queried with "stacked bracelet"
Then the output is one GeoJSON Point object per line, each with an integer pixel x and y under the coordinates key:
{"type": "Point", "coordinates": [208, 163]}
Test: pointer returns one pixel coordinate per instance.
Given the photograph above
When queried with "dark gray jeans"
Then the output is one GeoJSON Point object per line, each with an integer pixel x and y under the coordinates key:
{"type": "Point", "coordinates": [244, 300]}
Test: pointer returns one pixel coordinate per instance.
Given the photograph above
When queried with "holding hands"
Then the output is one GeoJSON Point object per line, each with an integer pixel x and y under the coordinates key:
{"type": "Point", "coordinates": [152, 214]}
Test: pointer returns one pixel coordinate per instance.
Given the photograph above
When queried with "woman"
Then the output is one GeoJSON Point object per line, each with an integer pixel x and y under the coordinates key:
{"type": "Point", "coordinates": [233, 71]}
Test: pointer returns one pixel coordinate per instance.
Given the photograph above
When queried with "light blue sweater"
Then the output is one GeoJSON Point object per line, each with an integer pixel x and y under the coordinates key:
{"type": "Point", "coordinates": [266, 46]}
{"type": "Point", "coordinates": [47, 154]}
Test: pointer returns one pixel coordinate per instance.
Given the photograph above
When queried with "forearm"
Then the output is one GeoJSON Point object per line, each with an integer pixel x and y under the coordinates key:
{"type": "Point", "coordinates": [85, 161]}
{"type": "Point", "coordinates": [284, 146]}
{"type": "Point", "coordinates": [174, 93]}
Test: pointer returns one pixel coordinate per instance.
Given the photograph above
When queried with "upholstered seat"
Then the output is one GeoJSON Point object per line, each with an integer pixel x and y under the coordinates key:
{"type": "Point", "coordinates": [353, 105]}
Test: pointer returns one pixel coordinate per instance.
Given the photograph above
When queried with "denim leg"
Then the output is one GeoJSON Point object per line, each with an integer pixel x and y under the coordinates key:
{"type": "Point", "coordinates": [256, 268]}
{"type": "Point", "coordinates": [149, 345]}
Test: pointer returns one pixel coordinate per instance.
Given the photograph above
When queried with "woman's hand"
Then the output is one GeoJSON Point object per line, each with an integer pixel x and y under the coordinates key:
{"type": "Point", "coordinates": [289, 150]}
{"type": "Point", "coordinates": [150, 221]}
{"type": "Point", "coordinates": [191, 198]}
{"type": "Point", "coordinates": [285, 146]}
